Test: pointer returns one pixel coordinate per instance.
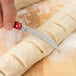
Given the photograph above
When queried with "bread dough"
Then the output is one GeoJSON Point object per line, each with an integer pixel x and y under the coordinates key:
{"type": "Point", "coordinates": [25, 54]}
{"type": "Point", "coordinates": [36, 14]}
{"type": "Point", "coordinates": [8, 61]}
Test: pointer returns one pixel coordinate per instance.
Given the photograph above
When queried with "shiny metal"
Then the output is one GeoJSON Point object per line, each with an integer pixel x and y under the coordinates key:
{"type": "Point", "coordinates": [42, 36]}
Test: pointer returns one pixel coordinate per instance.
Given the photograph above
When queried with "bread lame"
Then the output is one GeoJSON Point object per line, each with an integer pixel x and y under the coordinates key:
{"type": "Point", "coordinates": [39, 34]}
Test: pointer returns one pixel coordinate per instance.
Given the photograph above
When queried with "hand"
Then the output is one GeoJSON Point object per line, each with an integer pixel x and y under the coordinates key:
{"type": "Point", "coordinates": [7, 14]}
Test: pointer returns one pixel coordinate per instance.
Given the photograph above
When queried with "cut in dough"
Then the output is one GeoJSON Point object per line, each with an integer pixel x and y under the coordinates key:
{"type": "Point", "coordinates": [1, 74]}
{"type": "Point", "coordinates": [9, 61]}
{"type": "Point", "coordinates": [36, 14]}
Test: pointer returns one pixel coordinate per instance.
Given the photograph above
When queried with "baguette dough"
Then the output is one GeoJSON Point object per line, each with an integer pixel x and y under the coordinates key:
{"type": "Point", "coordinates": [38, 13]}
{"type": "Point", "coordinates": [18, 68]}
{"type": "Point", "coordinates": [33, 20]}
{"type": "Point", "coordinates": [33, 49]}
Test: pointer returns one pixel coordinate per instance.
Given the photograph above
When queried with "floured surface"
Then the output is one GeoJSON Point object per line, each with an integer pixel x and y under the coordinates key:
{"type": "Point", "coordinates": [24, 3]}
{"type": "Point", "coordinates": [63, 64]}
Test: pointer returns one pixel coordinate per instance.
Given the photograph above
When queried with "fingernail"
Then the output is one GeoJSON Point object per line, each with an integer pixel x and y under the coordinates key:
{"type": "Point", "coordinates": [9, 26]}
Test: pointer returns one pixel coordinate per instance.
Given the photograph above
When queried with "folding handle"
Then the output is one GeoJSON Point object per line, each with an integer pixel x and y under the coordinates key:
{"type": "Point", "coordinates": [18, 25]}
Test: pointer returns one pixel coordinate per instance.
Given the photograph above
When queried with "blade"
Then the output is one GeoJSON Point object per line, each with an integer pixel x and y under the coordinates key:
{"type": "Point", "coordinates": [44, 37]}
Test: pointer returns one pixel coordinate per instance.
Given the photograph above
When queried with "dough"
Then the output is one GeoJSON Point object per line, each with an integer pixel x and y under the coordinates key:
{"type": "Point", "coordinates": [36, 14]}
{"type": "Point", "coordinates": [32, 49]}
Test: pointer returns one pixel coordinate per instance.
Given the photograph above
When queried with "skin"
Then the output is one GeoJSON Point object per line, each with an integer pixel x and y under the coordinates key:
{"type": "Point", "coordinates": [7, 14]}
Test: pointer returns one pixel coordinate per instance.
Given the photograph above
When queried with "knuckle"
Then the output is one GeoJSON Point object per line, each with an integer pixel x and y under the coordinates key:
{"type": "Point", "coordinates": [10, 17]}
{"type": "Point", "coordinates": [6, 1]}
{"type": "Point", "coordinates": [11, 14]}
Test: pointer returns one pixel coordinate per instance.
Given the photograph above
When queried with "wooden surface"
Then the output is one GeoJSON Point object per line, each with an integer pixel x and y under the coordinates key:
{"type": "Point", "coordinates": [56, 64]}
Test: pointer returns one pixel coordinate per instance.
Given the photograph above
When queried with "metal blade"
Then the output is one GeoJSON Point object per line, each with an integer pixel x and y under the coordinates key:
{"type": "Point", "coordinates": [44, 37]}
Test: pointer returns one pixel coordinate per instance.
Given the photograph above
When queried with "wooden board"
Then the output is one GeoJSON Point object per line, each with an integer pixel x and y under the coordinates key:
{"type": "Point", "coordinates": [56, 64]}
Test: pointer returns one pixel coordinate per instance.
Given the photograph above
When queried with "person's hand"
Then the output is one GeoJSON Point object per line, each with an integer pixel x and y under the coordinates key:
{"type": "Point", "coordinates": [7, 14]}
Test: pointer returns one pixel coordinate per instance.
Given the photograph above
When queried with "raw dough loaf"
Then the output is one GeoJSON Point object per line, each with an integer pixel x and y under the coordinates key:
{"type": "Point", "coordinates": [32, 49]}
{"type": "Point", "coordinates": [38, 13]}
